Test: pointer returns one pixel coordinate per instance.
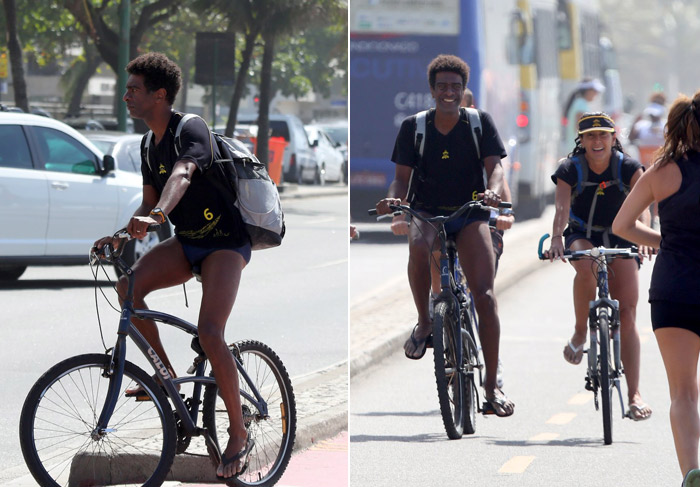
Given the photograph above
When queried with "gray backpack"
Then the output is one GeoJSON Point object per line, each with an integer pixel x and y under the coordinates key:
{"type": "Point", "coordinates": [252, 190]}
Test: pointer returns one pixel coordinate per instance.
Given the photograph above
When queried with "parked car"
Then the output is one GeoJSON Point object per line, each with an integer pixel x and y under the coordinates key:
{"type": "Point", "coordinates": [338, 132]}
{"type": "Point", "coordinates": [298, 151]}
{"type": "Point", "coordinates": [124, 147]}
{"type": "Point", "coordinates": [329, 161]}
{"type": "Point", "coordinates": [59, 194]}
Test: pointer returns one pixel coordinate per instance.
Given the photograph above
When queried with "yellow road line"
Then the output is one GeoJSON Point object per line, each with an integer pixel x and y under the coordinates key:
{"type": "Point", "coordinates": [561, 418]}
{"type": "Point", "coordinates": [516, 464]}
{"type": "Point", "coordinates": [580, 398]}
{"type": "Point", "coordinates": [544, 437]}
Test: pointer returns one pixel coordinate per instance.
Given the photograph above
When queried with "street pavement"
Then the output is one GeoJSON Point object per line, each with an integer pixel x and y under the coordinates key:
{"type": "Point", "coordinates": [322, 414]}
{"type": "Point", "coordinates": [380, 323]}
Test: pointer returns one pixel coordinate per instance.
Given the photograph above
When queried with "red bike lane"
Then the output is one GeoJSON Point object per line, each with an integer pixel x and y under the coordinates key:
{"type": "Point", "coordinates": [323, 465]}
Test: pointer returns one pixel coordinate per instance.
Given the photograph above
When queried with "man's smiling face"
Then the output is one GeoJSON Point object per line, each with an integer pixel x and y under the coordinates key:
{"type": "Point", "coordinates": [448, 91]}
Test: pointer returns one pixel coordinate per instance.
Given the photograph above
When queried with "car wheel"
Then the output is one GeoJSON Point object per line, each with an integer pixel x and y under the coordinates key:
{"type": "Point", "coordinates": [344, 175]}
{"type": "Point", "coordinates": [11, 272]}
{"type": "Point", "coordinates": [135, 249]}
{"type": "Point", "coordinates": [320, 177]}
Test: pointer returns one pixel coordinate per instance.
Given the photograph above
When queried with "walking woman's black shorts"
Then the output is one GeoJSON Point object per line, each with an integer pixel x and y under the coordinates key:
{"type": "Point", "coordinates": [667, 314]}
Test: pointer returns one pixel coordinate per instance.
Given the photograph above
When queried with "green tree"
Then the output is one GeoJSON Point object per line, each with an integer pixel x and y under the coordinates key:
{"type": "Point", "coordinates": [16, 64]}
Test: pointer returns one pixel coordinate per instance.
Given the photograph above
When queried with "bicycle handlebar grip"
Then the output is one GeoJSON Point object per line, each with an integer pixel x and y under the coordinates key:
{"type": "Point", "coordinates": [372, 212]}
{"type": "Point", "coordinates": [505, 204]}
{"type": "Point", "coordinates": [539, 246]}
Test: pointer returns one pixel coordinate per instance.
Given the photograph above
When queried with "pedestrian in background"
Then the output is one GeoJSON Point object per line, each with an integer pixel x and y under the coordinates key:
{"type": "Point", "coordinates": [578, 103]}
{"type": "Point", "coordinates": [674, 183]}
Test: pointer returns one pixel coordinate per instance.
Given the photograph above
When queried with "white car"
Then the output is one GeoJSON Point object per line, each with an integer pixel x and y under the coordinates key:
{"type": "Point", "coordinates": [329, 160]}
{"type": "Point", "coordinates": [58, 194]}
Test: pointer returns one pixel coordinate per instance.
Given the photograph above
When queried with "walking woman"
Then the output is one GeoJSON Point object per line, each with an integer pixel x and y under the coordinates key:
{"type": "Point", "coordinates": [674, 183]}
{"type": "Point", "coordinates": [591, 184]}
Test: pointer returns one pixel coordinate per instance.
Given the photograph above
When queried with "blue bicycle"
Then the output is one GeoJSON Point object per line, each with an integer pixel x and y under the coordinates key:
{"type": "Point", "coordinates": [455, 339]}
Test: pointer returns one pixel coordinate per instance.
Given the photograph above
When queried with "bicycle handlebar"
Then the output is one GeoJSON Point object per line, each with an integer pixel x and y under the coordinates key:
{"type": "Point", "coordinates": [595, 252]}
{"type": "Point", "coordinates": [398, 209]}
{"type": "Point", "coordinates": [109, 253]}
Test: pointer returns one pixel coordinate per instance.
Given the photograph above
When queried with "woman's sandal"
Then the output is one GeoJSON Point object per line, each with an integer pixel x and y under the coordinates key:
{"type": "Point", "coordinates": [241, 455]}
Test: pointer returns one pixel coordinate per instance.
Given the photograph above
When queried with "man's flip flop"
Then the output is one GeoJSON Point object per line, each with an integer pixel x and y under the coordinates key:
{"type": "Point", "coordinates": [577, 351]}
{"type": "Point", "coordinates": [497, 406]}
{"type": "Point", "coordinates": [425, 343]}
{"type": "Point", "coordinates": [635, 412]}
{"type": "Point", "coordinates": [243, 454]}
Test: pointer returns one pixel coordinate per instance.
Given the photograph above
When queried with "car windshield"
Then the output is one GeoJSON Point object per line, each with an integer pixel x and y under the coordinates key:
{"type": "Point", "coordinates": [104, 145]}
{"type": "Point", "coordinates": [339, 134]}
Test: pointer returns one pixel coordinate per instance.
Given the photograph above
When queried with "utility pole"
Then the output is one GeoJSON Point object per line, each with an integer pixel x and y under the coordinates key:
{"type": "Point", "coordinates": [124, 35]}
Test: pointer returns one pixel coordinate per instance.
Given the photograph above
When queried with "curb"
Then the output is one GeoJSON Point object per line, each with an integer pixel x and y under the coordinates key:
{"type": "Point", "coordinates": [389, 315]}
{"type": "Point", "coordinates": [296, 191]}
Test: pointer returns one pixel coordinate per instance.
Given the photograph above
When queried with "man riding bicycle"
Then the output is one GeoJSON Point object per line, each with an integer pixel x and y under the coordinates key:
{"type": "Point", "coordinates": [210, 237]}
{"type": "Point", "coordinates": [448, 175]}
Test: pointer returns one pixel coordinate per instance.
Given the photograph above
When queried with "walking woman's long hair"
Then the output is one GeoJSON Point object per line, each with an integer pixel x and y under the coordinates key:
{"type": "Point", "coordinates": [682, 129]}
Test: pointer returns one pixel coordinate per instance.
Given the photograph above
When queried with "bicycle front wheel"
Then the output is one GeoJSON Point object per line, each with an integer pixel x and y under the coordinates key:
{"type": "Point", "coordinates": [274, 433]}
{"type": "Point", "coordinates": [448, 376]}
{"type": "Point", "coordinates": [58, 433]}
{"type": "Point", "coordinates": [470, 359]}
{"type": "Point", "coordinates": [604, 368]}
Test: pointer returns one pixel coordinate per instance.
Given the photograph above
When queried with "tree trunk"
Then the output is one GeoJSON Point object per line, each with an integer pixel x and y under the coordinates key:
{"type": "Point", "coordinates": [86, 70]}
{"type": "Point", "coordinates": [16, 63]}
{"type": "Point", "coordinates": [265, 98]}
{"type": "Point", "coordinates": [241, 81]}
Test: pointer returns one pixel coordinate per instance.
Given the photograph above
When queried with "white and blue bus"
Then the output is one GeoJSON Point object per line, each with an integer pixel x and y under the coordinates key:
{"type": "Point", "coordinates": [513, 50]}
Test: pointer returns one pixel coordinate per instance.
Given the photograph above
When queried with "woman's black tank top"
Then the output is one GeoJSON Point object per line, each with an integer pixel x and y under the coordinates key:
{"type": "Point", "coordinates": [676, 275]}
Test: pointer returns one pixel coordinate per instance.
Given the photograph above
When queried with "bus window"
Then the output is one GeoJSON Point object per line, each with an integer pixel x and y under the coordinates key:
{"type": "Point", "coordinates": [546, 54]}
{"type": "Point", "coordinates": [520, 40]}
{"type": "Point", "coordinates": [564, 39]}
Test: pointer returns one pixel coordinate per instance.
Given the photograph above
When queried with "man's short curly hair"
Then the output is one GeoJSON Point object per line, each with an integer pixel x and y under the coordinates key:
{"type": "Point", "coordinates": [447, 62]}
{"type": "Point", "coordinates": [158, 72]}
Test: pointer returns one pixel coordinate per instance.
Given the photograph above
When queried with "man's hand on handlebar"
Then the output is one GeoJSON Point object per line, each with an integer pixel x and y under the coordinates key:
{"type": "Point", "coordinates": [383, 205]}
{"type": "Point", "coordinates": [490, 198]}
{"type": "Point", "coordinates": [138, 226]}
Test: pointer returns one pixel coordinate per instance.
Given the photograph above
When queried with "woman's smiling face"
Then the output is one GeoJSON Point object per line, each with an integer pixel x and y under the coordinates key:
{"type": "Point", "coordinates": [598, 144]}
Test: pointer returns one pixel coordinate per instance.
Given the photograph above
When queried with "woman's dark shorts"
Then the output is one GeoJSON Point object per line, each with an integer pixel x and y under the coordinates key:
{"type": "Point", "coordinates": [667, 314]}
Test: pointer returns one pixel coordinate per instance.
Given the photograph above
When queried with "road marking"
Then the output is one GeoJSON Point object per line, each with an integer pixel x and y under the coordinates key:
{"type": "Point", "coordinates": [580, 398]}
{"type": "Point", "coordinates": [516, 464]}
{"type": "Point", "coordinates": [329, 264]}
{"type": "Point", "coordinates": [561, 418]}
{"type": "Point", "coordinates": [643, 338]}
{"type": "Point", "coordinates": [544, 437]}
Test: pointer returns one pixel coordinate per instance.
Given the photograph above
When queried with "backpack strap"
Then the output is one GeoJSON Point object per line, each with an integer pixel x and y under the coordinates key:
{"type": "Point", "coordinates": [419, 136]}
{"type": "Point", "coordinates": [419, 145]}
{"type": "Point", "coordinates": [582, 182]}
{"type": "Point", "coordinates": [475, 125]}
{"type": "Point", "coordinates": [185, 118]}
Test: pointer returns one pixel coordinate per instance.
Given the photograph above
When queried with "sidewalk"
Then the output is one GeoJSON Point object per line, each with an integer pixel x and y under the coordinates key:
{"type": "Point", "coordinates": [380, 325]}
{"type": "Point", "coordinates": [290, 190]}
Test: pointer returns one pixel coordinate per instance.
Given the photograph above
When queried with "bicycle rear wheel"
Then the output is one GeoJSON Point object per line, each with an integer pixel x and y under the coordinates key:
{"type": "Point", "coordinates": [59, 417]}
{"type": "Point", "coordinates": [273, 434]}
{"type": "Point", "coordinates": [604, 369]}
{"type": "Point", "coordinates": [449, 380]}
